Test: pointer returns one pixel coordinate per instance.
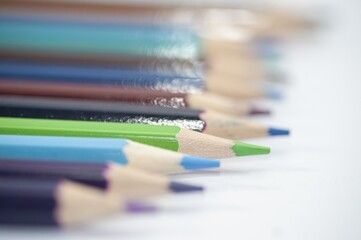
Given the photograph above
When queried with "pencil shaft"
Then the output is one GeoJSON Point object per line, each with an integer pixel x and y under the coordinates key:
{"type": "Point", "coordinates": [100, 111]}
{"type": "Point", "coordinates": [181, 67]}
{"type": "Point", "coordinates": [139, 96]}
{"type": "Point", "coordinates": [114, 179]}
{"type": "Point", "coordinates": [87, 173]}
{"type": "Point", "coordinates": [160, 136]}
{"type": "Point", "coordinates": [106, 75]}
{"type": "Point", "coordinates": [63, 36]}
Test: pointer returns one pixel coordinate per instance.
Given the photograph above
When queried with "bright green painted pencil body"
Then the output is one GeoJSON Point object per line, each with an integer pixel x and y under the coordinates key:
{"type": "Point", "coordinates": [167, 137]}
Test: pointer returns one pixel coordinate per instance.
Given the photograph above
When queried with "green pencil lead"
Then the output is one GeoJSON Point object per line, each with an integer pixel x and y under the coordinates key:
{"type": "Point", "coordinates": [245, 149]}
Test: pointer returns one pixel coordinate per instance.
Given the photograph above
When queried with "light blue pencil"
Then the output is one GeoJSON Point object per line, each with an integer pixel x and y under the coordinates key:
{"type": "Point", "coordinates": [100, 150]}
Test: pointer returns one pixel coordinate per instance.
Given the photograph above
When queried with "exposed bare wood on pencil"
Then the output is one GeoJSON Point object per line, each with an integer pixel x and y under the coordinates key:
{"type": "Point", "coordinates": [204, 145]}
{"type": "Point", "coordinates": [233, 128]}
{"type": "Point", "coordinates": [79, 203]}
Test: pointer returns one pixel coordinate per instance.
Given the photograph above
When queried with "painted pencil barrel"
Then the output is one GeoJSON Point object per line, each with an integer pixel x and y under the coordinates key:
{"type": "Point", "coordinates": [100, 150]}
{"type": "Point", "coordinates": [53, 202]}
{"type": "Point", "coordinates": [121, 181]}
{"type": "Point", "coordinates": [114, 39]}
{"type": "Point", "coordinates": [32, 107]}
{"type": "Point", "coordinates": [105, 75]}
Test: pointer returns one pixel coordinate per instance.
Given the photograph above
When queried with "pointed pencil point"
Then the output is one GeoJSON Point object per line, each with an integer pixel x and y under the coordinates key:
{"type": "Point", "coordinates": [245, 149]}
{"type": "Point", "coordinates": [257, 111]}
{"type": "Point", "coordinates": [272, 93]}
{"type": "Point", "coordinates": [181, 187]}
{"type": "Point", "coordinates": [278, 132]}
{"type": "Point", "coordinates": [197, 163]}
{"type": "Point", "coordinates": [136, 207]}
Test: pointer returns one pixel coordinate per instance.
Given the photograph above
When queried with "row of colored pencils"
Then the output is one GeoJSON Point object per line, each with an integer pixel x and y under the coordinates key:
{"type": "Point", "coordinates": [100, 102]}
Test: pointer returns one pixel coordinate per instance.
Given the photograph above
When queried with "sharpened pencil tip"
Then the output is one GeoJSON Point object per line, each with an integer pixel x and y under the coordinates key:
{"type": "Point", "coordinates": [272, 93]}
{"type": "Point", "coordinates": [278, 132]}
{"type": "Point", "coordinates": [245, 149]}
{"type": "Point", "coordinates": [181, 187]}
{"type": "Point", "coordinates": [137, 207]}
{"type": "Point", "coordinates": [257, 111]}
{"type": "Point", "coordinates": [197, 163]}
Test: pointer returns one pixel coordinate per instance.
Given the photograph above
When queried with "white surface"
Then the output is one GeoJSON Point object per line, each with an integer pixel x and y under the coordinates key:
{"type": "Point", "coordinates": [308, 188]}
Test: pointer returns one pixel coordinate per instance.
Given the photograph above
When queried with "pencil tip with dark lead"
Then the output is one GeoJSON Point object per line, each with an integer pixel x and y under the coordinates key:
{"type": "Point", "coordinates": [181, 187]}
{"type": "Point", "coordinates": [245, 149]}
{"type": "Point", "coordinates": [278, 132]}
{"type": "Point", "coordinates": [137, 207]}
{"type": "Point", "coordinates": [257, 111]}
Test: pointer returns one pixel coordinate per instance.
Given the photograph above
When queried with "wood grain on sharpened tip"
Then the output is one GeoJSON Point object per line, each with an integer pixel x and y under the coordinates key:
{"type": "Point", "coordinates": [168, 137]}
{"type": "Point", "coordinates": [122, 181]}
{"type": "Point", "coordinates": [126, 77]}
{"type": "Point", "coordinates": [209, 122]}
{"type": "Point", "coordinates": [62, 203]}
{"type": "Point", "coordinates": [100, 150]}
{"type": "Point", "coordinates": [140, 96]}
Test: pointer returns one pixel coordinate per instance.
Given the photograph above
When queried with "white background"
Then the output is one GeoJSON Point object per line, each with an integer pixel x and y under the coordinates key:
{"type": "Point", "coordinates": [308, 188]}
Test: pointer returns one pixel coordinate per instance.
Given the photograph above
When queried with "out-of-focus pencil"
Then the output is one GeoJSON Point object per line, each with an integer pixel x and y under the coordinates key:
{"type": "Point", "coordinates": [62, 203]}
{"type": "Point", "coordinates": [269, 22]}
{"type": "Point", "coordinates": [127, 77]}
{"type": "Point", "coordinates": [124, 181]}
{"type": "Point", "coordinates": [139, 96]}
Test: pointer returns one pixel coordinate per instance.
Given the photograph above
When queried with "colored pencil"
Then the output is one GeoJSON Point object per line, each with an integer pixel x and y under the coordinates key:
{"type": "Point", "coordinates": [62, 203]}
{"type": "Point", "coordinates": [209, 122]}
{"type": "Point", "coordinates": [100, 150]}
{"type": "Point", "coordinates": [124, 181]}
{"type": "Point", "coordinates": [280, 23]}
{"type": "Point", "coordinates": [127, 77]}
{"type": "Point", "coordinates": [139, 96]}
{"type": "Point", "coordinates": [168, 137]}
{"type": "Point", "coordinates": [211, 68]}
{"type": "Point", "coordinates": [116, 38]}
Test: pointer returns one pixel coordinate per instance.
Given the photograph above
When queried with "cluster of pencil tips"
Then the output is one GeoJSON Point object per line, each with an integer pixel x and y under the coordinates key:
{"type": "Point", "coordinates": [101, 102]}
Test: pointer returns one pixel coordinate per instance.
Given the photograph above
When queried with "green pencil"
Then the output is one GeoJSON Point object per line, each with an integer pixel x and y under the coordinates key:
{"type": "Point", "coordinates": [167, 137]}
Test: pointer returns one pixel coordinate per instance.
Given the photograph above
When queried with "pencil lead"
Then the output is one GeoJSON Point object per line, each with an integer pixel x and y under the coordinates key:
{"type": "Point", "coordinates": [196, 163]}
{"type": "Point", "coordinates": [181, 187]}
{"type": "Point", "coordinates": [245, 149]}
{"type": "Point", "coordinates": [137, 207]}
{"type": "Point", "coordinates": [257, 111]}
{"type": "Point", "coordinates": [272, 93]}
{"type": "Point", "coordinates": [278, 132]}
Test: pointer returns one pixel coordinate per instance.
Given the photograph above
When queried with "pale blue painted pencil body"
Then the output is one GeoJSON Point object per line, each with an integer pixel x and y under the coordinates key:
{"type": "Point", "coordinates": [63, 148]}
